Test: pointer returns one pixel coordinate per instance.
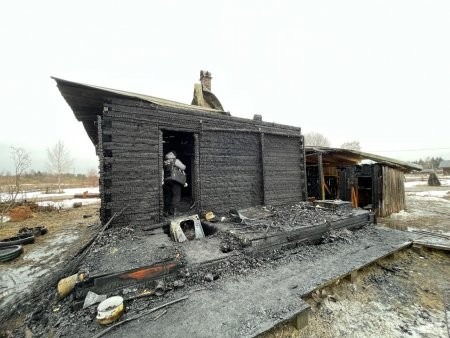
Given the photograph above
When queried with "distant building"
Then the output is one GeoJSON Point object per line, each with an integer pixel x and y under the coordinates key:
{"type": "Point", "coordinates": [445, 166]}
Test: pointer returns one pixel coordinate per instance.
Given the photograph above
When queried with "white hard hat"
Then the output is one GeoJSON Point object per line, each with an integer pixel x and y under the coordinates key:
{"type": "Point", "coordinates": [170, 155]}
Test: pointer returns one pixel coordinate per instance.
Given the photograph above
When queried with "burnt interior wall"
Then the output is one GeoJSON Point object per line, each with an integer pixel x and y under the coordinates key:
{"type": "Point", "coordinates": [239, 162]}
{"type": "Point", "coordinates": [313, 181]}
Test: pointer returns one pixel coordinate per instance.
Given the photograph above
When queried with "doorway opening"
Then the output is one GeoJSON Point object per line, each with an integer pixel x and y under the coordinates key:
{"type": "Point", "coordinates": [364, 191]}
{"type": "Point", "coordinates": [184, 146]}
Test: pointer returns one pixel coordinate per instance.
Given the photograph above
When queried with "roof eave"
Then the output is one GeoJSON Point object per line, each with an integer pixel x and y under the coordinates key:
{"type": "Point", "coordinates": [401, 165]}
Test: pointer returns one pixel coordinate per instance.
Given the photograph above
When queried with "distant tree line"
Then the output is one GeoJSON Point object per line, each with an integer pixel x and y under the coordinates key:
{"type": "Point", "coordinates": [315, 139]}
{"type": "Point", "coordinates": [429, 162]}
{"type": "Point", "coordinates": [33, 177]}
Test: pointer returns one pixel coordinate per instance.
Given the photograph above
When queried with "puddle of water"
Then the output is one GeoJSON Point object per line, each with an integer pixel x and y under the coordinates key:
{"type": "Point", "coordinates": [18, 276]}
{"type": "Point", "coordinates": [16, 280]}
{"type": "Point", "coordinates": [53, 248]}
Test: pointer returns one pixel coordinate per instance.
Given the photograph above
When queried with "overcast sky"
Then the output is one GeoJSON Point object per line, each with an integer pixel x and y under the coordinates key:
{"type": "Point", "coordinates": [373, 71]}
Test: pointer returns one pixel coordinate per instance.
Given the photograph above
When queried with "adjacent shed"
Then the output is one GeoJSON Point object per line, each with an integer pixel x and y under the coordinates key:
{"type": "Point", "coordinates": [231, 162]}
{"type": "Point", "coordinates": [335, 173]}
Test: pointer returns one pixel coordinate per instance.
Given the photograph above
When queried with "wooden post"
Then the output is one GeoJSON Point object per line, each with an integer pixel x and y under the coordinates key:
{"type": "Point", "coordinates": [301, 320]}
{"type": "Point", "coordinates": [101, 160]}
{"type": "Point", "coordinates": [353, 276]}
{"type": "Point", "coordinates": [321, 177]}
{"type": "Point", "coordinates": [196, 187]}
{"type": "Point", "coordinates": [199, 177]}
{"type": "Point", "coordinates": [160, 173]}
{"type": "Point", "coordinates": [303, 169]}
{"type": "Point", "coordinates": [263, 172]}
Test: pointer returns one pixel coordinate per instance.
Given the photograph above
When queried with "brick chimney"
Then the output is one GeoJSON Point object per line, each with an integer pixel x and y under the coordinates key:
{"type": "Point", "coordinates": [205, 79]}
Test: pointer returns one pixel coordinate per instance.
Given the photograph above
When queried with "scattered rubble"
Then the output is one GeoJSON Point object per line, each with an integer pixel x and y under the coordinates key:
{"type": "Point", "coordinates": [57, 316]}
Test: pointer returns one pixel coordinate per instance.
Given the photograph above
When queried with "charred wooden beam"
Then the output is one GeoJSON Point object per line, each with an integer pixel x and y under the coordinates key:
{"type": "Point", "coordinates": [108, 283]}
{"type": "Point", "coordinates": [321, 177]}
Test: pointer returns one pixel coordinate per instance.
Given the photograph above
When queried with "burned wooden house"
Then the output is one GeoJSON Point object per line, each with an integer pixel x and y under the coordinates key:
{"type": "Point", "coordinates": [335, 173]}
{"type": "Point", "coordinates": [231, 162]}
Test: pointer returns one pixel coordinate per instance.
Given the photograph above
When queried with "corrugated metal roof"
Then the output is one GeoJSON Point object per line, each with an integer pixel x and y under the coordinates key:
{"type": "Point", "coordinates": [354, 155]}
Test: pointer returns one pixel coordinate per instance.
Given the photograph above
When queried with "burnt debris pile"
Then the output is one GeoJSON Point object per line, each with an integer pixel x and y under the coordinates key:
{"type": "Point", "coordinates": [284, 218]}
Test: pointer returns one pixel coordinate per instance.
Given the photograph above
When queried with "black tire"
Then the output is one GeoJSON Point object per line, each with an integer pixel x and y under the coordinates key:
{"type": "Point", "coordinates": [21, 239]}
{"type": "Point", "coordinates": [8, 253]}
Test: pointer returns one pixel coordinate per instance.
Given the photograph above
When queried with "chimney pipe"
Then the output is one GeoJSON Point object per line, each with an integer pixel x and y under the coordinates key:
{"type": "Point", "coordinates": [205, 79]}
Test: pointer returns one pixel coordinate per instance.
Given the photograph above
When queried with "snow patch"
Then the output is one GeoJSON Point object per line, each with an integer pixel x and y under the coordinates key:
{"type": "Point", "coordinates": [67, 204]}
{"type": "Point", "coordinates": [6, 219]}
{"type": "Point", "coordinates": [66, 192]}
{"type": "Point", "coordinates": [415, 183]}
{"type": "Point", "coordinates": [433, 193]}
{"type": "Point", "coordinates": [428, 198]}
{"type": "Point", "coordinates": [400, 214]}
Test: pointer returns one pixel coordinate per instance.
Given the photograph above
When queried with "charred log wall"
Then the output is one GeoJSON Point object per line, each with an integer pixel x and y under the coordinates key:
{"type": "Point", "coordinates": [285, 177]}
{"type": "Point", "coordinates": [240, 162]}
{"type": "Point", "coordinates": [230, 170]}
{"type": "Point", "coordinates": [130, 168]}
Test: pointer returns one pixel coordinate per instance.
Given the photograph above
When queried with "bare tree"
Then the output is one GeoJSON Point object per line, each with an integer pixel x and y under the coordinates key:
{"type": "Point", "coordinates": [92, 177]}
{"type": "Point", "coordinates": [316, 139]}
{"type": "Point", "coordinates": [8, 196]}
{"type": "Point", "coordinates": [59, 160]}
{"type": "Point", "coordinates": [22, 162]}
{"type": "Point", "coordinates": [10, 191]}
{"type": "Point", "coordinates": [353, 145]}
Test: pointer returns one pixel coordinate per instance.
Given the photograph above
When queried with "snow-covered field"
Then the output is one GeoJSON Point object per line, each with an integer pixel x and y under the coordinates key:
{"type": "Point", "coordinates": [63, 200]}
{"type": "Point", "coordinates": [427, 207]}
{"type": "Point", "coordinates": [66, 192]}
{"type": "Point", "coordinates": [64, 203]}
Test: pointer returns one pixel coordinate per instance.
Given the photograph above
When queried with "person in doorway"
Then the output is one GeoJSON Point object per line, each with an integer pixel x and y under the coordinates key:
{"type": "Point", "coordinates": [174, 180]}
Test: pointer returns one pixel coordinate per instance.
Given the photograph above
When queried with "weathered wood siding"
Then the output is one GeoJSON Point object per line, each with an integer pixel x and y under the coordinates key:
{"type": "Point", "coordinates": [392, 192]}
